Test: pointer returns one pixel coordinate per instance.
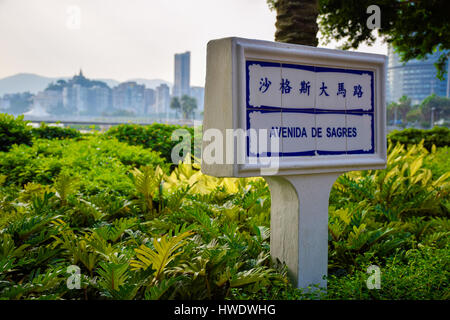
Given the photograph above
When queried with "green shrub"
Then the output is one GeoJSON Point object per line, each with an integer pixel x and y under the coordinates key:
{"type": "Point", "coordinates": [375, 212]}
{"type": "Point", "coordinates": [438, 136]}
{"type": "Point", "coordinates": [438, 161]}
{"type": "Point", "coordinates": [138, 232]}
{"type": "Point", "coordinates": [52, 132]}
{"type": "Point", "coordinates": [156, 136]}
{"type": "Point", "coordinates": [98, 162]}
{"type": "Point", "coordinates": [13, 131]}
{"type": "Point", "coordinates": [416, 274]}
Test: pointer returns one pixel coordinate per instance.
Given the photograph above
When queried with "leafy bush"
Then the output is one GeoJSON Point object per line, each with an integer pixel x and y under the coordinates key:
{"type": "Point", "coordinates": [156, 136]}
{"type": "Point", "coordinates": [195, 246]}
{"type": "Point", "coordinates": [52, 132]}
{"type": "Point", "coordinates": [13, 131]}
{"type": "Point", "coordinates": [416, 274]}
{"type": "Point", "coordinates": [438, 136]}
{"type": "Point", "coordinates": [373, 213]}
{"type": "Point", "coordinates": [437, 161]}
{"type": "Point", "coordinates": [98, 162]}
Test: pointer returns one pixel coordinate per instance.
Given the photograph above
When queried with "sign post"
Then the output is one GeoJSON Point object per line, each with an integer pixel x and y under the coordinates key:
{"type": "Point", "coordinates": [298, 116]}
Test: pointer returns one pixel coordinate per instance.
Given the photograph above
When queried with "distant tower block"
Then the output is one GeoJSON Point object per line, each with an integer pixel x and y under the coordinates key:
{"type": "Point", "coordinates": [182, 74]}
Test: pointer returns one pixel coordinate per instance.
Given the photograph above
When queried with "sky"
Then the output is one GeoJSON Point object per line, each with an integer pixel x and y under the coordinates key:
{"type": "Point", "coordinates": [125, 39]}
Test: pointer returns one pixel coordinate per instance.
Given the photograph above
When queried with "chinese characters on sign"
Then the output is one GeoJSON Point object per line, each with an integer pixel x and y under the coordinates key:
{"type": "Point", "coordinates": [311, 110]}
{"type": "Point", "coordinates": [265, 84]}
{"type": "Point", "coordinates": [305, 86]}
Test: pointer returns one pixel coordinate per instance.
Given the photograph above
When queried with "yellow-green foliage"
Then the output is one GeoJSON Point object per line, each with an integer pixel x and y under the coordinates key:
{"type": "Point", "coordinates": [378, 212]}
{"type": "Point", "coordinates": [187, 174]}
{"type": "Point", "coordinates": [138, 231]}
{"type": "Point", "coordinates": [165, 252]}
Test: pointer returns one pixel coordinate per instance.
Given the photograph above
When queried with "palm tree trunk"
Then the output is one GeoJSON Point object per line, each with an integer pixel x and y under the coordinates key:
{"type": "Point", "coordinates": [297, 21]}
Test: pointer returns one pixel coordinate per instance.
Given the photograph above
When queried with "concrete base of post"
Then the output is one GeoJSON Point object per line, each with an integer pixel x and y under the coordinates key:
{"type": "Point", "coordinates": [299, 225]}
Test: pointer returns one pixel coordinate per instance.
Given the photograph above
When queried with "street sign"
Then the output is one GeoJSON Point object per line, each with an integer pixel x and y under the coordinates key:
{"type": "Point", "coordinates": [323, 110]}
{"type": "Point", "coordinates": [299, 116]}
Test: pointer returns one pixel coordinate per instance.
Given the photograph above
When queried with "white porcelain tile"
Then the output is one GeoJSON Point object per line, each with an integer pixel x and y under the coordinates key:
{"type": "Point", "coordinates": [360, 92]}
{"type": "Point", "coordinates": [296, 132]}
{"type": "Point", "coordinates": [331, 90]}
{"type": "Point", "coordinates": [263, 139]}
{"type": "Point", "coordinates": [303, 83]}
{"type": "Point", "coordinates": [361, 128]}
{"type": "Point", "coordinates": [332, 127]}
{"type": "Point", "coordinates": [264, 85]}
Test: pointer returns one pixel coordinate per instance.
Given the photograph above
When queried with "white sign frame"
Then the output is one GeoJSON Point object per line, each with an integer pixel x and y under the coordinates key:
{"type": "Point", "coordinates": [226, 105]}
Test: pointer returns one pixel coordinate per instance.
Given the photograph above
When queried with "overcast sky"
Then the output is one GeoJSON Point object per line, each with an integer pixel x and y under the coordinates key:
{"type": "Point", "coordinates": [123, 39]}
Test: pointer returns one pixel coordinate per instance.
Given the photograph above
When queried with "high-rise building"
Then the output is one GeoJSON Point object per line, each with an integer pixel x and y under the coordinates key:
{"type": "Point", "coordinates": [50, 99]}
{"type": "Point", "coordinates": [75, 98]}
{"type": "Point", "coordinates": [81, 97]}
{"type": "Point", "coordinates": [99, 99]}
{"type": "Point", "coordinates": [199, 94]}
{"type": "Point", "coordinates": [129, 96]}
{"type": "Point", "coordinates": [69, 99]}
{"type": "Point", "coordinates": [150, 99]}
{"type": "Point", "coordinates": [415, 78]}
{"type": "Point", "coordinates": [182, 74]}
{"type": "Point", "coordinates": [162, 99]}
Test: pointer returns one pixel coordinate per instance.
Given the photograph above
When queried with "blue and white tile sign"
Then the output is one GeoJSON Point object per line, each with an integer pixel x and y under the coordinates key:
{"type": "Point", "coordinates": [311, 110]}
{"type": "Point", "coordinates": [301, 110]}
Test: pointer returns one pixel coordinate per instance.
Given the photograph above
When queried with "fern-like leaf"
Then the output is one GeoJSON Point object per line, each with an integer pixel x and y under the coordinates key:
{"type": "Point", "coordinates": [64, 186]}
{"type": "Point", "coordinates": [112, 275]}
{"type": "Point", "coordinates": [164, 253]}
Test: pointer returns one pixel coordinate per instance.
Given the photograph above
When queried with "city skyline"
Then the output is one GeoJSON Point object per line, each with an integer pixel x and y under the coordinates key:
{"type": "Point", "coordinates": [117, 40]}
{"type": "Point", "coordinates": [81, 96]}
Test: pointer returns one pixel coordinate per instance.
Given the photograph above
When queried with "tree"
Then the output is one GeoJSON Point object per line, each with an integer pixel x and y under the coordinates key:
{"type": "Point", "coordinates": [296, 21]}
{"type": "Point", "coordinates": [399, 109]}
{"type": "Point", "coordinates": [414, 115]}
{"type": "Point", "coordinates": [175, 104]}
{"type": "Point", "coordinates": [404, 106]}
{"type": "Point", "coordinates": [58, 86]}
{"type": "Point", "coordinates": [414, 28]}
{"type": "Point", "coordinates": [188, 105]}
{"type": "Point", "coordinates": [439, 105]}
{"type": "Point", "coordinates": [390, 112]}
